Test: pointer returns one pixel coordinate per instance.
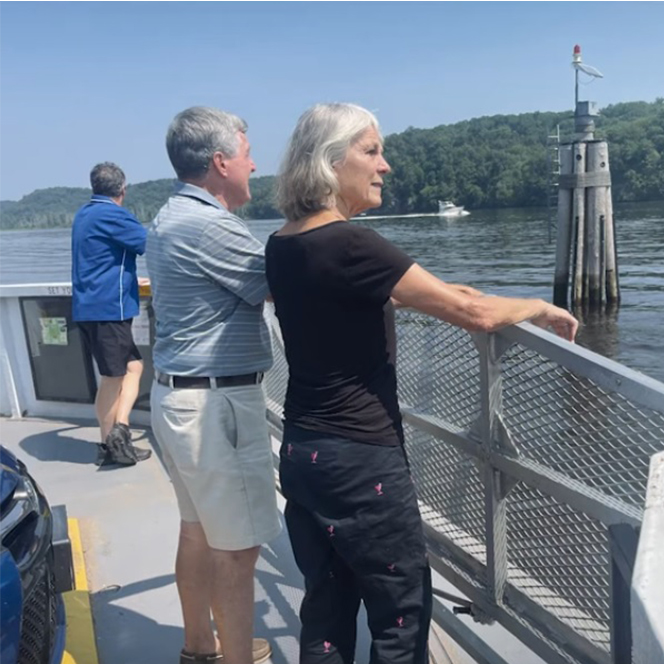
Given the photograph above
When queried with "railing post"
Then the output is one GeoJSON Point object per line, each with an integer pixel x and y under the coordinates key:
{"type": "Point", "coordinates": [623, 543]}
{"type": "Point", "coordinates": [12, 345]}
{"type": "Point", "coordinates": [491, 347]}
{"type": "Point", "coordinates": [648, 577]}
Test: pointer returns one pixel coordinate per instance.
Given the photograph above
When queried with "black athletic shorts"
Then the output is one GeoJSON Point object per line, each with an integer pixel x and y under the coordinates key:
{"type": "Point", "coordinates": [111, 344]}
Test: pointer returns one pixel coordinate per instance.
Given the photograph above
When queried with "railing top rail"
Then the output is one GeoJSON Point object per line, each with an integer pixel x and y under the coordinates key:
{"type": "Point", "coordinates": [56, 288]}
{"type": "Point", "coordinates": [606, 373]}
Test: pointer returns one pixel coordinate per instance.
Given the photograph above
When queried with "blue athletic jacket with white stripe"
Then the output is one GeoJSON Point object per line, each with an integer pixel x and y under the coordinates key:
{"type": "Point", "coordinates": [106, 238]}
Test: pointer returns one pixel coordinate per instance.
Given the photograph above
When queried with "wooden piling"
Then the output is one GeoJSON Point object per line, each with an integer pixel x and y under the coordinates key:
{"type": "Point", "coordinates": [585, 228]}
{"type": "Point", "coordinates": [585, 216]}
{"type": "Point", "coordinates": [610, 252]}
{"type": "Point", "coordinates": [580, 280]}
{"type": "Point", "coordinates": [564, 232]}
{"type": "Point", "coordinates": [596, 163]}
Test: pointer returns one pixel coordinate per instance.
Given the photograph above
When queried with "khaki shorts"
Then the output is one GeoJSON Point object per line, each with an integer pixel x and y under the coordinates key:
{"type": "Point", "coordinates": [216, 447]}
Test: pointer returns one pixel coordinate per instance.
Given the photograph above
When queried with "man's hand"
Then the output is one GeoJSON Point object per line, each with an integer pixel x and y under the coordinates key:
{"type": "Point", "coordinates": [143, 281]}
{"type": "Point", "coordinates": [559, 320]}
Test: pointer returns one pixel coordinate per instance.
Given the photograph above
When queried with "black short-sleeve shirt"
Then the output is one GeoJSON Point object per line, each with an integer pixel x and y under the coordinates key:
{"type": "Point", "coordinates": [331, 287]}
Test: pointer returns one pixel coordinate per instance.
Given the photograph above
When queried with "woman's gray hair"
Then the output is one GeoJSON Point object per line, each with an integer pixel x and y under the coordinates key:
{"type": "Point", "coordinates": [196, 134]}
{"type": "Point", "coordinates": [107, 179]}
{"type": "Point", "coordinates": [307, 182]}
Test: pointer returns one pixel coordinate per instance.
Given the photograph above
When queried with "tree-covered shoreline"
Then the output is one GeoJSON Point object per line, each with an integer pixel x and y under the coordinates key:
{"type": "Point", "coordinates": [490, 162]}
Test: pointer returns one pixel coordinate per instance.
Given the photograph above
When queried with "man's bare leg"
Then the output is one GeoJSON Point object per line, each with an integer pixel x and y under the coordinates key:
{"type": "Point", "coordinates": [193, 574]}
{"type": "Point", "coordinates": [129, 391]}
{"type": "Point", "coordinates": [106, 403]}
{"type": "Point", "coordinates": [233, 602]}
{"type": "Point", "coordinates": [115, 399]}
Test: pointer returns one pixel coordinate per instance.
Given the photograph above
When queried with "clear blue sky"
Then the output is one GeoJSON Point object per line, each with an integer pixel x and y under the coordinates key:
{"type": "Point", "coordinates": [85, 82]}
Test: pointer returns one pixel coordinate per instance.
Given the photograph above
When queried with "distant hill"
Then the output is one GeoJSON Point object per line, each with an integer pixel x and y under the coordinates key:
{"type": "Point", "coordinates": [488, 162]}
{"type": "Point", "coordinates": [56, 206]}
{"type": "Point", "coordinates": [500, 161]}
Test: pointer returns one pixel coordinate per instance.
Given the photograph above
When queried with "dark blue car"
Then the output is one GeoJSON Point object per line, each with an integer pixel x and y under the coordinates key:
{"type": "Point", "coordinates": [35, 568]}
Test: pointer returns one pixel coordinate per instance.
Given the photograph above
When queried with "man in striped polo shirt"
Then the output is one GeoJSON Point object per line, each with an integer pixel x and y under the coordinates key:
{"type": "Point", "coordinates": [211, 349]}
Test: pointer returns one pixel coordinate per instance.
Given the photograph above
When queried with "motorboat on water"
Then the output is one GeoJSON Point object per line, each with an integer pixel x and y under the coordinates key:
{"type": "Point", "coordinates": [448, 209]}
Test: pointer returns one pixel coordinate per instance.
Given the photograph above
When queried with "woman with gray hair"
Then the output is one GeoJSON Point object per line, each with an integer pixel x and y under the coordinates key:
{"type": "Point", "coordinates": [352, 511]}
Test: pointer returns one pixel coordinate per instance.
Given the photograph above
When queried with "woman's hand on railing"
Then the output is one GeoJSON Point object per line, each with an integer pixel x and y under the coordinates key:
{"type": "Point", "coordinates": [559, 320]}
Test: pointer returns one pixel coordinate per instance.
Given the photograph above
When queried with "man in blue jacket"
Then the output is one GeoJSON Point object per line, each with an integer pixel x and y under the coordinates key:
{"type": "Point", "coordinates": [106, 238]}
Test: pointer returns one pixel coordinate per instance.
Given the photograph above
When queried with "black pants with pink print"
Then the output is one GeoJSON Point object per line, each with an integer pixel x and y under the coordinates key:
{"type": "Point", "coordinates": [356, 533]}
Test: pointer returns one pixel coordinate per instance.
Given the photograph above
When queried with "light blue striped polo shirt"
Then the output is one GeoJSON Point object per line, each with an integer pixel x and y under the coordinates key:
{"type": "Point", "coordinates": [207, 273]}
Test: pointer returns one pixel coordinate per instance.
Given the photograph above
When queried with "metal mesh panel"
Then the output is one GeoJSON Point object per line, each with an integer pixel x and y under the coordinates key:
{"type": "Point", "coordinates": [571, 425]}
{"type": "Point", "coordinates": [276, 380]}
{"type": "Point", "coordinates": [543, 635]}
{"type": "Point", "coordinates": [560, 559]}
{"type": "Point", "coordinates": [438, 374]}
{"type": "Point", "coordinates": [437, 369]}
{"type": "Point", "coordinates": [449, 489]}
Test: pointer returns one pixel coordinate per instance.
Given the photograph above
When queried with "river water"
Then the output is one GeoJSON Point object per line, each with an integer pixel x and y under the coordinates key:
{"type": "Point", "coordinates": [503, 252]}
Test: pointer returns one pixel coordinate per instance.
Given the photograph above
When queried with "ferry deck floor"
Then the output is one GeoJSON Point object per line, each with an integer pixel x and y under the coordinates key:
{"type": "Point", "coordinates": [128, 522]}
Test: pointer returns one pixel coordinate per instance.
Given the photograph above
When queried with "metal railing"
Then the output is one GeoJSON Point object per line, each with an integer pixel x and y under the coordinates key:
{"type": "Point", "coordinates": [531, 459]}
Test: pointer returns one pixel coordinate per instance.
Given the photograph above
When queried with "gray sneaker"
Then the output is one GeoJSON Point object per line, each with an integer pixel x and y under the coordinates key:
{"type": "Point", "coordinates": [121, 449]}
{"type": "Point", "coordinates": [103, 455]}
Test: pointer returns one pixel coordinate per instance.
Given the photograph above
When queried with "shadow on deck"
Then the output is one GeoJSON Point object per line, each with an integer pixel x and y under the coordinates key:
{"type": "Point", "coordinates": [129, 525]}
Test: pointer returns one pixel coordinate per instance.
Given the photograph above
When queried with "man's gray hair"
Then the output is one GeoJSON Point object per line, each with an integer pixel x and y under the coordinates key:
{"type": "Point", "coordinates": [196, 134]}
{"type": "Point", "coordinates": [107, 179]}
{"type": "Point", "coordinates": [307, 182]}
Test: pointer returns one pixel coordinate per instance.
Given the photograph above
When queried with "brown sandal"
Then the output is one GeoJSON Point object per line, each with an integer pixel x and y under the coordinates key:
{"type": "Point", "coordinates": [261, 651]}
{"type": "Point", "coordinates": [194, 658]}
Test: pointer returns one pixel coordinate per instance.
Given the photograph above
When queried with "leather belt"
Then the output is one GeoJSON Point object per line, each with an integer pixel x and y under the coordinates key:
{"type": "Point", "coordinates": [212, 383]}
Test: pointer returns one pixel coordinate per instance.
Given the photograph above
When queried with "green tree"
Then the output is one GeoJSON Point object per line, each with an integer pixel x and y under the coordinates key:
{"type": "Point", "coordinates": [496, 161]}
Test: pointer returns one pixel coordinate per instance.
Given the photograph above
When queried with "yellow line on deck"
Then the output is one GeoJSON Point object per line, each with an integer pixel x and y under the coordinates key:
{"type": "Point", "coordinates": [80, 577]}
{"type": "Point", "coordinates": [81, 647]}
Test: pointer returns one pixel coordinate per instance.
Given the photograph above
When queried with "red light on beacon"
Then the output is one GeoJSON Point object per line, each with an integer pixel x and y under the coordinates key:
{"type": "Point", "coordinates": [577, 50]}
{"type": "Point", "coordinates": [576, 56]}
